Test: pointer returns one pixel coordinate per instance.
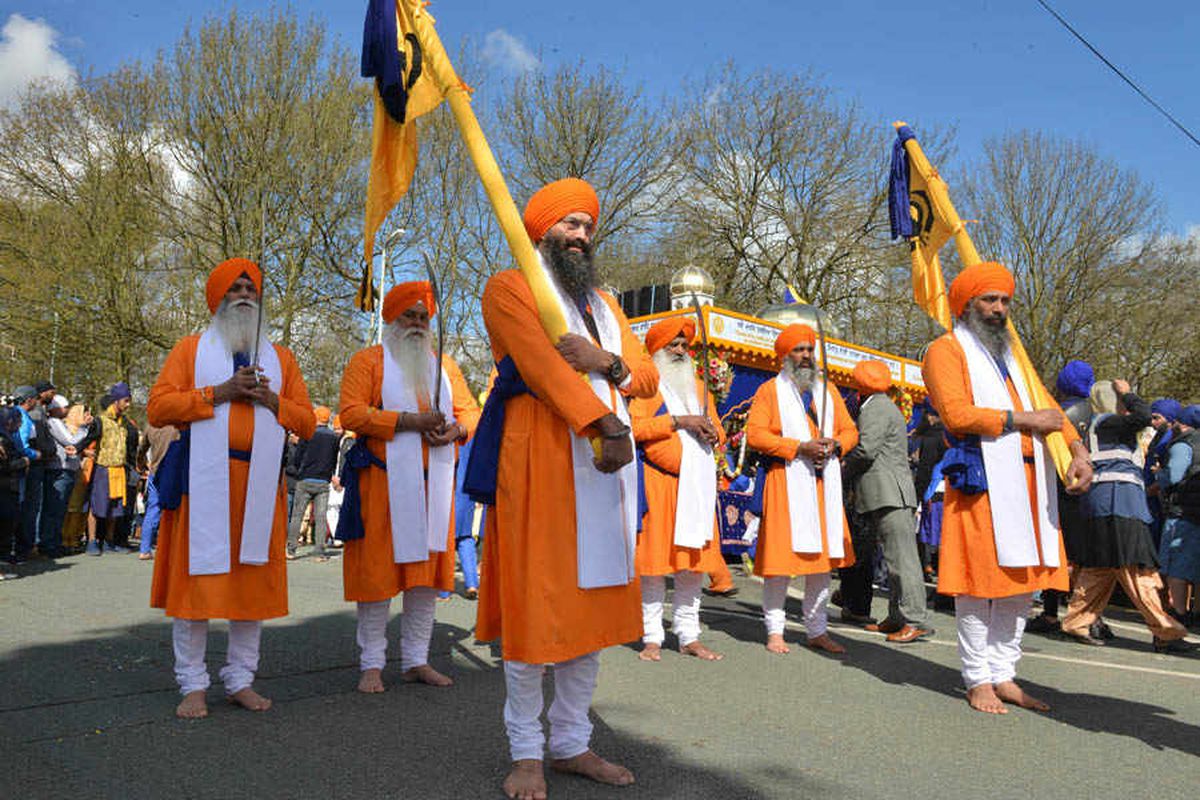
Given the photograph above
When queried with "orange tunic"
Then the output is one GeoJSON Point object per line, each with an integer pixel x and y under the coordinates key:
{"type": "Point", "coordinates": [764, 432]}
{"type": "Point", "coordinates": [657, 553]}
{"type": "Point", "coordinates": [967, 561]}
{"type": "Point", "coordinates": [529, 590]}
{"type": "Point", "coordinates": [247, 591]}
{"type": "Point", "coordinates": [369, 570]}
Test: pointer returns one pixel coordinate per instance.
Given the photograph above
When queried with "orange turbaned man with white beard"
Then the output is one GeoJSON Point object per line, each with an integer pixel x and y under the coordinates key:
{"type": "Point", "coordinates": [222, 539]}
{"type": "Point", "coordinates": [679, 531]}
{"type": "Point", "coordinates": [403, 467]}
{"type": "Point", "coordinates": [801, 423]}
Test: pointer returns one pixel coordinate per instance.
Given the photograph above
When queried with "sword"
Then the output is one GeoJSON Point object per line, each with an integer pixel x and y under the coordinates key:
{"type": "Point", "coordinates": [703, 333]}
{"type": "Point", "coordinates": [824, 371]}
{"type": "Point", "coordinates": [441, 331]}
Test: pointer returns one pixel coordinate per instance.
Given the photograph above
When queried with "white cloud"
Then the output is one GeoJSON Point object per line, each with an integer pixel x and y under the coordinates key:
{"type": "Point", "coordinates": [28, 54]}
{"type": "Point", "coordinates": [502, 49]}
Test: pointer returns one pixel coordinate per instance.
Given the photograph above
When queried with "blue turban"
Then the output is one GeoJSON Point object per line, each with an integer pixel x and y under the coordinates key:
{"type": "Point", "coordinates": [118, 391]}
{"type": "Point", "coordinates": [1190, 416]}
{"type": "Point", "coordinates": [1167, 407]}
{"type": "Point", "coordinates": [1075, 379]}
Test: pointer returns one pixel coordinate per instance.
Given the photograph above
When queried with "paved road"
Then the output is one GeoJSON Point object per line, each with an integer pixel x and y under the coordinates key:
{"type": "Point", "coordinates": [86, 710]}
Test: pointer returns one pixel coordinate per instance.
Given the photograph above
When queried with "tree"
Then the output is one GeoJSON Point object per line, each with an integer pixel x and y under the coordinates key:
{"type": "Point", "coordinates": [1081, 234]}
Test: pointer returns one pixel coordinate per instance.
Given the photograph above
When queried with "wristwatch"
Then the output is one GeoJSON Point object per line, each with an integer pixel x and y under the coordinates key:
{"type": "Point", "coordinates": [615, 369]}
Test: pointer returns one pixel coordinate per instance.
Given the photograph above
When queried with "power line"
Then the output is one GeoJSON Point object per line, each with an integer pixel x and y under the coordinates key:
{"type": "Point", "coordinates": [1120, 74]}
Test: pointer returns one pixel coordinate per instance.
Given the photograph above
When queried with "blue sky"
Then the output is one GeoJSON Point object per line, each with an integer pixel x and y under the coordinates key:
{"type": "Point", "coordinates": [986, 66]}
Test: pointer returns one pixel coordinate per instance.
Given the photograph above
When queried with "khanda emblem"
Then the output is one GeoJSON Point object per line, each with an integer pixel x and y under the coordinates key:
{"type": "Point", "coordinates": [395, 95]}
{"type": "Point", "coordinates": [920, 207]}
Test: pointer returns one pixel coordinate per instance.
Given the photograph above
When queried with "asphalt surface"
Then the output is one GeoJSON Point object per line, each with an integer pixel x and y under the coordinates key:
{"type": "Point", "coordinates": [87, 706]}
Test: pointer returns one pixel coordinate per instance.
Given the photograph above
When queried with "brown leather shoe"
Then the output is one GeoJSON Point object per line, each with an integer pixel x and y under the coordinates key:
{"type": "Point", "coordinates": [908, 634]}
{"type": "Point", "coordinates": [887, 626]}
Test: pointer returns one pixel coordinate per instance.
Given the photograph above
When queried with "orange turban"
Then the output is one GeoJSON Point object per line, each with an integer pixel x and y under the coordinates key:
{"type": "Point", "coordinates": [403, 296]}
{"type": "Point", "coordinates": [872, 376]}
{"type": "Point", "coordinates": [556, 200]}
{"type": "Point", "coordinates": [978, 279]}
{"type": "Point", "coordinates": [223, 276]}
{"type": "Point", "coordinates": [664, 331]}
{"type": "Point", "coordinates": [322, 414]}
{"type": "Point", "coordinates": [792, 335]}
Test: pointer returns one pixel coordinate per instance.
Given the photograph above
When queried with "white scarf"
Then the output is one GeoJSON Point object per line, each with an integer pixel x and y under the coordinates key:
{"type": "Point", "coordinates": [1008, 495]}
{"type": "Point", "coordinates": [419, 506]}
{"type": "Point", "coordinates": [606, 505]}
{"type": "Point", "coordinates": [802, 475]}
{"type": "Point", "coordinates": [208, 467]}
{"type": "Point", "coordinates": [696, 497]}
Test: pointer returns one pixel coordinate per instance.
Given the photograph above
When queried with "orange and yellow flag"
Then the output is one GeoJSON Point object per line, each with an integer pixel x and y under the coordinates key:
{"type": "Point", "coordinates": [404, 90]}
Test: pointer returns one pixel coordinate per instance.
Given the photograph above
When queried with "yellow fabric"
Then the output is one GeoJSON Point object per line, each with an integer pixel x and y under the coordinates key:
{"type": "Point", "coordinates": [394, 146]}
{"type": "Point", "coordinates": [116, 483]}
{"type": "Point", "coordinates": [111, 452]}
{"type": "Point", "coordinates": [934, 228]}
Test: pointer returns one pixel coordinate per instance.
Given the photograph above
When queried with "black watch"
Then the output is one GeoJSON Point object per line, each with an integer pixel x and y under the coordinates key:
{"type": "Point", "coordinates": [615, 369]}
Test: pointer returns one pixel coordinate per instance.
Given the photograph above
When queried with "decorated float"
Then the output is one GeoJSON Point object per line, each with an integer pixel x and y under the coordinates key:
{"type": "Point", "coordinates": [741, 357]}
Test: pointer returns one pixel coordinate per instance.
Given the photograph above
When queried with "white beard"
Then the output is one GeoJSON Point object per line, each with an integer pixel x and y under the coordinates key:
{"type": "Point", "coordinates": [239, 325]}
{"type": "Point", "coordinates": [411, 349]}
{"type": "Point", "coordinates": [680, 375]}
{"type": "Point", "coordinates": [801, 377]}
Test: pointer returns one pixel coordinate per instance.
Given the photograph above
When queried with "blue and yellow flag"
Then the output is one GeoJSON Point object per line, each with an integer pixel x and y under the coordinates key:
{"type": "Point", "coordinates": [404, 90]}
{"type": "Point", "coordinates": [791, 296]}
{"type": "Point", "coordinates": [918, 215]}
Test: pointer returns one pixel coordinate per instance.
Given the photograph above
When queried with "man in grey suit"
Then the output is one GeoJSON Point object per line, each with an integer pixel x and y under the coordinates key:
{"type": "Point", "coordinates": [887, 500]}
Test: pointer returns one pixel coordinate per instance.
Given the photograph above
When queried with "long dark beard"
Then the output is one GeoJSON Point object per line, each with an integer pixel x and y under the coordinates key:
{"type": "Point", "coordinates": [994, 338]}
{"type": "Point", "coordinates": [575, 272]}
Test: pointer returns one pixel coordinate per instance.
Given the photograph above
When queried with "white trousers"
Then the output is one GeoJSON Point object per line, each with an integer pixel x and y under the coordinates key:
{"type": "Point", "coordinates": [416, 629]}
{"type": "Point", "coordinates": [190, 639]}
{"type": "Point", "coordinates": [687, 607]}
{"type": "Point", "coordinates": [989, 636]}
{"type": "Point", "coordinates": [570, 728]}
{"type": "Point", "coordinates": [815, 605]}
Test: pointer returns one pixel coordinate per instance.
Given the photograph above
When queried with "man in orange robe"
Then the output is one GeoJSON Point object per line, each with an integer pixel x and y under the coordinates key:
{"type": "Point", "coordinates": [802, 426]}
{"type": "Point", "coordinates": [679, 530]}
{"type": "Point", "coordinates": [1000, 536]}
{"type": "Point", "coordinates": [403, 467]}
{"type": "Point", "coordinates": [558, 583]}
{"type": "Point", "coordinates": [222, 538]}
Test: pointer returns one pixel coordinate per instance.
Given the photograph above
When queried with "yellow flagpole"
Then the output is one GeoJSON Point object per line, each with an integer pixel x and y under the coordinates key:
{"type": "Point", "coordinates": [455, 91]}
{"type": "Point", "coordinates": [507, 215]}
{"type": "Point", "coordinates": [1055, 442]}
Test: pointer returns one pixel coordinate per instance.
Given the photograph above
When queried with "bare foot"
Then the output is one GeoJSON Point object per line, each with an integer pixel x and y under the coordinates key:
{"type": "Point", "coordinates": [983, 698]}
{"type": "Point", "coordinates": [249, 699]}
{"type": "Point", "coordinates": [825, 643]}
{"type": "Point", "coordinates": [775, 644]}
{"type": "Point", "coordinates": [651, 652]}
{"type": "Point", "coordinates": [701, 652]}
{"type": "Point", "coordinates": [1009, 692]}
{"type": "Point", "coordinates": [590, 765]}
{"type": "Point", "coordinates": [371, 681]}
{"type": "Point", "coordinates": [192, 706]}
{"type": "Point", "coordinates": [526, 780]}
{"type": "Point", "coordinates": [427, 675]}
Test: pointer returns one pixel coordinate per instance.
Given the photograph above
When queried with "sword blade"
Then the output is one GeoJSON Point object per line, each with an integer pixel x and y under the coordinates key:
{"type": "Point", "coordinates": [441, 330]}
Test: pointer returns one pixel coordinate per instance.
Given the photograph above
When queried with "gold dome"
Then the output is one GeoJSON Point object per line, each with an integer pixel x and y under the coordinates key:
{"type": "Point", "coordinates": [692, 279]}
{"type": "Point", "coordinates": [802, 313]}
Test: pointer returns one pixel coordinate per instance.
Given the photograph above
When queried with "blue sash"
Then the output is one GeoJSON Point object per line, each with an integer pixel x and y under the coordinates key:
{"type": "Point", "coordinates": [171, 477]}
{"type": "Point", "coordinates": [962, 465]}
{"type": "Point", "coordinates": [479, 482]}
{"type": "Point", "coordinates": [350, 522]}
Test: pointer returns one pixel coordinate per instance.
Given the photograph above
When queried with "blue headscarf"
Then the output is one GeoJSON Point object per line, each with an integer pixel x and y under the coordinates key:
{"type": "Point", "coordinates": [1190, 416]}
{"type": "Point", "coordinates": [1167, 407]}
{"type": "Point", "coordinates": [1075, 379]}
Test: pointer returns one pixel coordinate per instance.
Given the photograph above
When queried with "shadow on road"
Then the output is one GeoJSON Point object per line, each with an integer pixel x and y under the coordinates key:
{"type": "Point", "coordinates": [94, 717]}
